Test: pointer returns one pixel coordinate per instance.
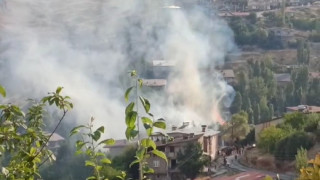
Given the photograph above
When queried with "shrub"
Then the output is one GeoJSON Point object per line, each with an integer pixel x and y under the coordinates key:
{"type": "Point", "coordinates": [287, 148]}
{"type": "Point", "coordinates": [269, 137]}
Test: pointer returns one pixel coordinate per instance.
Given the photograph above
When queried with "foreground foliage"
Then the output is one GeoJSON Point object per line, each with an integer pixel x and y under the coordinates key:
{"type": "Point", "coordinates": [24, 143]}
{"type": "Point", "coordinates": [191, 161]}
{"type": "Point", "coordinates": [133, 119]}
{"type": "Point", "coordinates": [311, 172]}
{"type": "Point", "coordinates": [91, 144]}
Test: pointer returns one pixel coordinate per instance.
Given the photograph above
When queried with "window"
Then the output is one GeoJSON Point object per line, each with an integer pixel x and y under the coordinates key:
{"type": "Point", "coordinates": [156, 163]}
{"type": "Point", "coordinates": [171, 149]}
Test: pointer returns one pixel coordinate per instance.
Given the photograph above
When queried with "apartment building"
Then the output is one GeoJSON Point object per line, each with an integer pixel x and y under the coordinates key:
{"type": "Point", "coordinates": [174, 141]}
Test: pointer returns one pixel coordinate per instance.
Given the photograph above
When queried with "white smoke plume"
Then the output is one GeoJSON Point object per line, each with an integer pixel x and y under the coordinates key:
{"type": "Point", "coordinates": [87, 46]}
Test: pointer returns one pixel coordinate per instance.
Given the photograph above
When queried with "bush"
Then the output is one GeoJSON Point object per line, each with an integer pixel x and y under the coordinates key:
{"type": "Point", "coordinates": [312, 123]}
{"type": "Point", "coordinates": [287, 148]}
{"type": "Point", "coordinates": [269, 137]}
{"type": "Point", "coordinates": [297, 120]}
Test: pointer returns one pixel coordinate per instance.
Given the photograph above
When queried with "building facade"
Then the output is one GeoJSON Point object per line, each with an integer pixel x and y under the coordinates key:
{"type": "Point", "coordinates": [173, 142]}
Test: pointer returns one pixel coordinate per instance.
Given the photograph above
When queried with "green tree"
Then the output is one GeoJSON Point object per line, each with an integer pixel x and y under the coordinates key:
{"type": "Point", "coordinates": [264, 110]}
{"type": "Point", "coordinates": [269, 137]}
{"type": "Point", "coordinates": [271, 111]}
{"type": "Point", "coordinates": [90, 145]}
{"type": "Point", "coordinates": [133, 119]}
{"type": "Point", "coordinates": [238, 127]}
{"type": "Point", "coordinates": [303, 52]}
{"type": "Point", "coordinates": [296, 120]}
{"type": "Point", "coordinates": [237, 104]}
{"type": "Point", "coordinates": [252, 18]}
{"type": "Point", "coordinates": [191, 160]}
{"type": "Point", "coordinates": [242, 80]}
{"type": "Point", "coordinates": [257, 89]}
{"type": "Point", "coordinates": [246, 103]}
{"type": "Point", "coordinates": [256, 114]}
{"type": "Point", "coordinates": [301, 159]}
{"type": "Point", "coordinates": [287, 148]}
{"type": "Point", "coordinates": [22, 137]}
{"type": "Point", "coordinates": [312, 96]}
{"type": "Point", "coordinates": [123, 161]}
{"type": "Point", "coordinates": [280, 102]}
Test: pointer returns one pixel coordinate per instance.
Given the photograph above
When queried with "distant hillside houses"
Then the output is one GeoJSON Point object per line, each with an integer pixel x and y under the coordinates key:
{"type": "Point", "coordinates": [282, 79]}
{"type": "Point", "coordinates": [171, 142]}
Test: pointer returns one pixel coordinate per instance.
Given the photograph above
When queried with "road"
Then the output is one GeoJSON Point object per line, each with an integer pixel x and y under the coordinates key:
{"type": "Point", "coordinates": [234, 164]}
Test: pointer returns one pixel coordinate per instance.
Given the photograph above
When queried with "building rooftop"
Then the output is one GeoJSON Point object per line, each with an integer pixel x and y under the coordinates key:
{"type": "Point", "coordinates": [230, 14]}
{"type": "Point", "coordinates": [162, 63]}
{"type": "Point", "coordinates": [305, 109]}
{"type": "Point", "coordinates": [314, 75]}
{"type": "Point", "coordinates": [227, 73]}
{"type": "Point", "coordinates": [55, 137]}
{"type": "Point", "coordinates": [284, 77]}
{"type": "Point", "coordinates": [154, 82]}
{"type": "Point", "coordinates": [185, 133]}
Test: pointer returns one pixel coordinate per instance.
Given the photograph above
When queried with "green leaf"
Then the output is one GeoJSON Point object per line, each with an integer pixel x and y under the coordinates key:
{"type": "Point", "coordinates": [126, 95]}
{"type": "Point", "coordinates": [146, 120]}
{"type": "Point", "coordinates": [59, 90]}
{"type": "Point", "coordinates": [131, 133]}
{"type": "Point", "coordinates": [130, 107]}
{"type": "Point", "coordinates": [140, 153]}
{"type": "Point", "coordinates": [45, 99]}
{"type": "Point", "coordinates": [133, 73]}
{"type": "Point", "coordinates": [131, 118]}
{"type": "Point", "coordinates": [101, 129]}
{"type": "Point", "coordinates": [90, 163]}
{"type": "Point", "coordinates": [38, 144]}
{"type": "Point", "coordinates": [148, 143]}
{"type": "Point", "coordinates": [148, 170]}
{"type": "Point", "coordinates": [160, 154]}
{"type": "Point", "coordinates": [107, 142]}
{"type": "Point", "coordinates": [17, 111]}
{"type": "Point", "coordinates": [75, 130]}
{"type": "Point", "coordinates": [100, 154]}
{"type": "Point", "coordinates": [134, 162]}
{"type": "Point", "coordinates": [147, 123]}
{"type": "Point", "coordinates": [160, 124]}
{"type": "Point", "coordinates": [78, 152]}
{"type": "Point", "coordinates": [2, 91]}
{"type": "Point", "coordinates": [145, 103]}
{"type": "Point", "coordinates": [149, 131]}
{"type": "Point", "coordinates": [79, 144]}
{"type": "Point", "coordinates": [140, 81]}
{"type": "Point", "coordinates": [105, 161]}
{"type": "Point", "coordinates": [128, 132]}
{"type": "Point", "coordinates": [96, 135]}
{"type": "Point", "coordinates": [33, 151]}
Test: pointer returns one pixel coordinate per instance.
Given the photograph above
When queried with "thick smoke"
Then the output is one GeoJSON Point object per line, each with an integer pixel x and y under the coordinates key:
{"type": "Point", "coordinates": [87, 46]}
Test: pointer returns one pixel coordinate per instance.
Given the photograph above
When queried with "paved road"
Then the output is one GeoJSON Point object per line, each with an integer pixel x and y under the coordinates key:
{"type": "Point", "coordinates": [236, 165]}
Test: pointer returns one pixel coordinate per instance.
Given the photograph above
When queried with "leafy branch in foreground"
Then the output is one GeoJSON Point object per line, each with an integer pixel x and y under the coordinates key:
{"type": "Point", "coordinates": [23, 142]}
{"type": "Point", "coordinates": [146, 146]}
{"type": "Point", "coordinates": [91, 144]}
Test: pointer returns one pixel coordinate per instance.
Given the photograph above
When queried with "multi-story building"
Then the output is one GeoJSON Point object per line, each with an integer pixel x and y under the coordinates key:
{"type": "Point", "coordinates": [174, 141]}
